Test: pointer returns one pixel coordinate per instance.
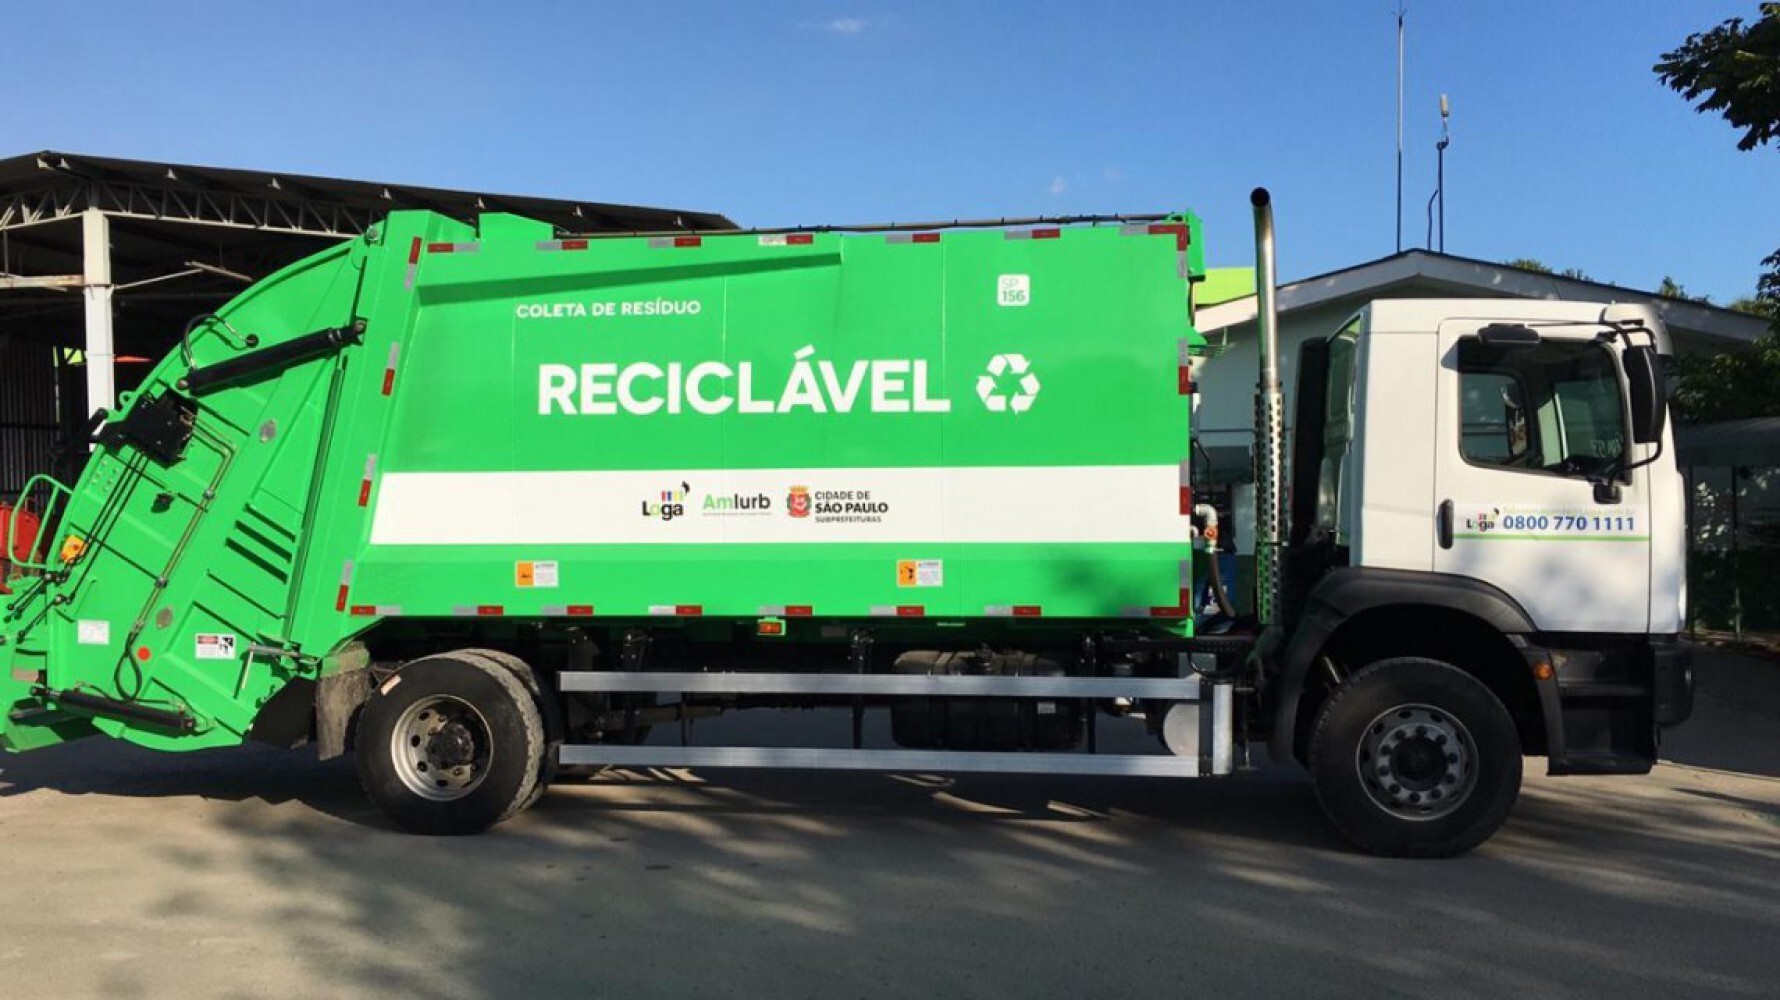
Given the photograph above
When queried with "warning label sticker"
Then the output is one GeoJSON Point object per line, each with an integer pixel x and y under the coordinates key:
{"type": "Point", "coordinates": [920, 573]}
{"type": "Point", "coordinates": [91, 632]}
{"type": "Point", "coordinates": [215, 646]}
{"type": "Point", "coordinates": [535, 573]}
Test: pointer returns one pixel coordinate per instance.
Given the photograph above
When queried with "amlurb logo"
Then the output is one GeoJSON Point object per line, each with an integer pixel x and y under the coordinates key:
{"type": "Point", "coordinates": [671, 504]}
{"type": "Point", "coordinates": [798, 503]}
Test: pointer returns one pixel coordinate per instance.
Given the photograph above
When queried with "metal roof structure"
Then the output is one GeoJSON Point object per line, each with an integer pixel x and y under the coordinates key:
{"type": "Point", "coordinates": [1754, 442]}
{"type": "Point", "coordinates": [103, 260]}
{"type": "Point", "coordinates": [167, 219]}
{"type": "Point", "coordinates": [1425, 272]}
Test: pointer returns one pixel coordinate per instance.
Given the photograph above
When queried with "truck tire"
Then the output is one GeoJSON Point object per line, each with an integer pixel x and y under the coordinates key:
{"type": "Point", "coordinates": [549, 709]}
{"type": "Point", "coordinates": [450, 745]}
{"type": "Point", "coordinates": [1415, 758]}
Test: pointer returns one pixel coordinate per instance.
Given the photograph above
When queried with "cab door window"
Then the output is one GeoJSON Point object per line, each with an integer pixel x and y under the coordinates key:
{"type": "Point", "coordinates": [1555, 408]}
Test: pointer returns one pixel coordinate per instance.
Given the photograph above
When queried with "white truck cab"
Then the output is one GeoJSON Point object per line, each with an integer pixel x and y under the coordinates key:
{"type": "Point", "coordinates": [1512, 465]}
{"type": "Point", "coordinates": [1487, 488]}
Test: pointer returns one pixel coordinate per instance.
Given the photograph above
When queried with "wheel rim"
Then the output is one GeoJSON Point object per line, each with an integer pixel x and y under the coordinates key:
{"type": "Point", "coordinates": [1417, 762]}
{"type": "Point", "coordinates": [441, 748]}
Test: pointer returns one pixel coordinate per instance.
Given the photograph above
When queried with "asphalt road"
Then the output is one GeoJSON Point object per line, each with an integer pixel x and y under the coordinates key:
{"type": "Point", "coordinates": [253, 873]}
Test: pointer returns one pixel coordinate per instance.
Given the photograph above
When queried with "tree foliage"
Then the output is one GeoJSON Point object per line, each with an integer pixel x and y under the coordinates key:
{"type": "Point", "coordinates": [1538, 266]}
{"type": "Point", "coordinates": [1672, 289]}
{"type": "Point", "coordinates": [1733, 69]}
{"type": "Point", "coordinates": [1732, 385]}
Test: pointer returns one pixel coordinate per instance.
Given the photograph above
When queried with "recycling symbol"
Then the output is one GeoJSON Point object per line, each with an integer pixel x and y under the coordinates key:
{"type": "Point", "coordinates": [989, 384]}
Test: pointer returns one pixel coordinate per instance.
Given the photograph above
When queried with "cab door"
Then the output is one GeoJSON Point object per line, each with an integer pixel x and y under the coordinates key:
{"type": "Point", "coordinates": [1530, 484]}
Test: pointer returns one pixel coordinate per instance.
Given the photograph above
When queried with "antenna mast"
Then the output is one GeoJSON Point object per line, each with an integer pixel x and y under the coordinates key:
{"type": "Point", "coordinates": [1402, 8]}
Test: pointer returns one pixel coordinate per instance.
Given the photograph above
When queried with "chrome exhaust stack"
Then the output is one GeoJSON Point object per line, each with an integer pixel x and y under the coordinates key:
{"type": "Point", "coordinates": [1269, 420]}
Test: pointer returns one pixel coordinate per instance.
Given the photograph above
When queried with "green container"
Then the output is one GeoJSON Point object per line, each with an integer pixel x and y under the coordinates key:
{"type": "Point", "coordinates": [968, 429]}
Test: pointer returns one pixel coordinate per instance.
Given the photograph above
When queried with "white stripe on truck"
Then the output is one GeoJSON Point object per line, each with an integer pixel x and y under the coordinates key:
{"type": "Point", "coordinates": [1073, 504]}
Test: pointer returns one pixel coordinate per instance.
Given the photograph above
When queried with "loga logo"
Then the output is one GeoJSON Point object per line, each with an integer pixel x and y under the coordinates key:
{"type": "Point", "coordinates": [1483, 521]}
{"type": "Point", "coordinates": [798, 503]}
{"type": "Point", "coordinates": [669, 504]}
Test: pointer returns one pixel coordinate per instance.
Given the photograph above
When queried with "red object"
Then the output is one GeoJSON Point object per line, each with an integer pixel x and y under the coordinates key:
{"type": "Point", "coordinates": [1182, 610]}
{"type": "Point", "coordinates": [15, 548]}
{"type": "Point", "coordinates": [1177, 230]}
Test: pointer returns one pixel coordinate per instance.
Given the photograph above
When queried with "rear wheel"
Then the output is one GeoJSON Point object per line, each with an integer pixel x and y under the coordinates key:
{"type": "Point", "coordinates": [1415, 758]}
{"type": "Point", "coordinates": [451, 744]}
{"type": "Point", "coordinates": [549, 709]}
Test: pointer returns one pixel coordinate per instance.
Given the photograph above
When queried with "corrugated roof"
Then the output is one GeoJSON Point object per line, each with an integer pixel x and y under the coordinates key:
{"type": "Point", "coordinates": [36, 171]}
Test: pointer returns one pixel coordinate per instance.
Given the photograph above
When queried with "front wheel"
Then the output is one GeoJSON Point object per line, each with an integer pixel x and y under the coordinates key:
{"type": "Point", "coordinates": [1415, 758]}
{"type": "Point", "coordinates": [451, 745]}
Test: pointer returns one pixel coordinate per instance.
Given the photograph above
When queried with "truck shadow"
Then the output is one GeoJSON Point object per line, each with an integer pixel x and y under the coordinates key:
{"type": "Point", "coordinates": [646, 883]}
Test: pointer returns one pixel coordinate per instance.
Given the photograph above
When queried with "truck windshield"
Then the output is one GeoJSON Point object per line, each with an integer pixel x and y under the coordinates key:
{"type": "Point", "coordinates": [1553, 407]}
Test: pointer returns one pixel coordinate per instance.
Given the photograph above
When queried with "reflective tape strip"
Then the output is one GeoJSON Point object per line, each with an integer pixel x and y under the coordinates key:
{"type": "Point", "coordinates": [1013, 611]}
{"type": "Point", "coordinates": [1182, 610]}
{"type": "Point", "coordinates": [562, 244]}
{"type": "Point", "coordinates": [1182, 235]}
{"type": "Point", "coordinates": [911, 238]}
{"type": "Point", "coordinates": [1186, 487]}
{"type": "Point", "coordinates": [376, 610]}
{"type": "Point", "coordinates": [567, 610]}
{"type": "Point", "coordinates": [669, 242]}
{"type": "Point", "coordinates": [897, 611]}
{"type": "Point", "coordinates": [413, 263]}
{"type": "Point", "coordinates": [1033, 234]}
{"type": "Point", "coordinates": [677, 610]}
{"type": "Point", "coordinates": [345, 585]}
{"type": "Point", "coordinates": [389, 370]}
{"type": "Point", "coordinates": [454, 248]}
{"type": "Point", "coordinates": [787, 610]}
{"type": "Point", "coordinates": [787, 239]}
{"type": "Point", "coordinates": [364, 486]}
{"type": "Point", "coordinates": [478, 610]}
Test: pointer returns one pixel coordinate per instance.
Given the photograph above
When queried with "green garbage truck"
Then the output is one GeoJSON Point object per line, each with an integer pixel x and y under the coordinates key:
{"type": "Point", "coordinates": [475, 502]}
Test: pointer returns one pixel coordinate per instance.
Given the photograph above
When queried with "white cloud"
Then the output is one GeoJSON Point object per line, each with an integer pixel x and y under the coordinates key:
{"type": "Point", "coordinates": [1058, 185]}
{"type": "Point", "coordinates": [847, 26]}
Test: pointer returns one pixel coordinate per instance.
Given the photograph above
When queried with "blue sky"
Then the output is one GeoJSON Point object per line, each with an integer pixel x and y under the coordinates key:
{"type": "Point", "coordinates": [1565, 147]}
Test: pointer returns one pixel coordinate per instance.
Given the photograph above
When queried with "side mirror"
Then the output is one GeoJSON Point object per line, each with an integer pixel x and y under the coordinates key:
{"type": "Point", "coordinates": [1649, 396]}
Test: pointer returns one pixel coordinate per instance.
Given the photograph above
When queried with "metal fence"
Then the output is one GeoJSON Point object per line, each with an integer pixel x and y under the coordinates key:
{"type": "Point", "coordinates": [28, 413]}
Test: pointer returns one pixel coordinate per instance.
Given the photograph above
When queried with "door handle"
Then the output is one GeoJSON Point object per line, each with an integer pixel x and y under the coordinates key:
{"type": "Point", "coordinates": [1443, 524]}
